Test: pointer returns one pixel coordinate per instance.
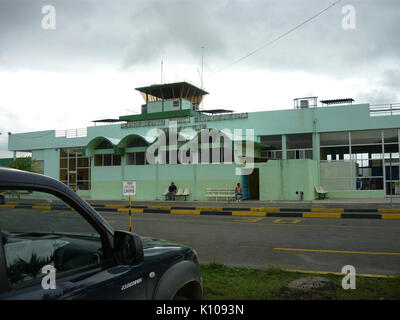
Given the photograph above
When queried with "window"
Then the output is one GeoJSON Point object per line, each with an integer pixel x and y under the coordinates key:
{"type": "Point", "coordinates": [75, 168]}
{"type": "Point", "coordinates": [175, 104]}
{"type": "Point", "coordinates": [135, 158]}
{"type": "Point", "coordinates": [275, 142]}
{"type": "Point", "coordinates": [107, 160]}
{"type": "Point", "coordinates": [47, 234]}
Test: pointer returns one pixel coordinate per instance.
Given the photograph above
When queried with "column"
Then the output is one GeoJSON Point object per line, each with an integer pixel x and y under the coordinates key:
{"type": "Point", "coordinates": [284, 153]}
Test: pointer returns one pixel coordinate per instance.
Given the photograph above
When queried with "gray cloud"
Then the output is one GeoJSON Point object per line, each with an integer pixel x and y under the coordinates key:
{"type": "Point", "coordinates": [129, 34]}
{"type": "Point", "coordinates": [391, 78]}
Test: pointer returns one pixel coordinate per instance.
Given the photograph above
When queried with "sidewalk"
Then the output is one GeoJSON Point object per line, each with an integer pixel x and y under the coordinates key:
{"type": "Point", "coordinates": [355, 204]}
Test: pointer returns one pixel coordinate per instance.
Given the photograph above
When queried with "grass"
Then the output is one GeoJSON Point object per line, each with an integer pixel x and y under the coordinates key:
{"type": "Point", "coordinates": [226, 283]}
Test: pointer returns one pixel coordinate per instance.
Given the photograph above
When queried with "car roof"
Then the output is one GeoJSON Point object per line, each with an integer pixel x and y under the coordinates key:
{"type": "Point", "coordinates": [19, 178]}
{"type": "Point", "coordinates": [14, 176]}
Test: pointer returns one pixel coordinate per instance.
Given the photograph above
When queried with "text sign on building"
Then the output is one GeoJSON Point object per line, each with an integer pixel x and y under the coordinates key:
{"type": "Point", "coordinates": [129, 188]}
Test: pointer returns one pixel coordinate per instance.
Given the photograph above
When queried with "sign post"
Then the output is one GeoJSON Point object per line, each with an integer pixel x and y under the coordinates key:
{"type": "Point", "coordinates": [129, 189]}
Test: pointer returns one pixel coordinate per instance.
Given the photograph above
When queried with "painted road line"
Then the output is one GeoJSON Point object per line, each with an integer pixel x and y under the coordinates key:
{"type": "Point", "coordinates": [133, 210]}
{"type": "Point", "coordinates": [114, 206]}
{"type": "Point", "coordinates": [180, 211]}
{"type": "Point", "coordinates": [390, 216]}
{"type": "Point", "coordinates": [249, 220]}
{"type": "Point", "coordinates": [38, 207]}
{"type": "Point", "coordinates": [249, 213]}
{"type": "Point", "coordinates": [332, 215]}
{"type": "Point", "coordinates": [327, 209]}
{"type": "Point", "coordinates": [9, 206]}
{"type": "Point", "coordinates": [286, 220]}
{"type": "Point", "coordinates": [266, 209]}
{"type": "Point", "coordinates": [341, 274]}
{"type": "Point", "coordinates": [340, 251]}
{"type": "Point", "coordinates": [209, 208]}
{"type": "Point", "coordinates": [389, 210]}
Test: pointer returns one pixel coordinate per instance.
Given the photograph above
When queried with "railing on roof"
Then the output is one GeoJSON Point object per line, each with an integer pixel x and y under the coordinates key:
{"type": "Point", "coordinates": [389, 109]}
{"type": "Point", "coordinates": [72, 133]}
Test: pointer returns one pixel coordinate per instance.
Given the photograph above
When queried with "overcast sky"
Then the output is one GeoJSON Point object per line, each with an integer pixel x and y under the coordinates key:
{"type": "Point", "coordinates": [100, 50]}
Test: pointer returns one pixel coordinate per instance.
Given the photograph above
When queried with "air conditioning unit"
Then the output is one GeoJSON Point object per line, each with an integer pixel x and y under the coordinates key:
{"type": "Point", "coordinates": [303, 104]}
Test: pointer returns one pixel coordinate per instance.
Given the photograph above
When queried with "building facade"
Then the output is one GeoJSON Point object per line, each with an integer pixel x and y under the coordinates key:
{"type": "Point", "coordinates": [352, 150]}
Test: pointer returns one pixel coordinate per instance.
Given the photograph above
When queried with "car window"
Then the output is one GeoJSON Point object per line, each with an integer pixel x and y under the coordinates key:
{"type": "Point", "coordinates": [38, 229]}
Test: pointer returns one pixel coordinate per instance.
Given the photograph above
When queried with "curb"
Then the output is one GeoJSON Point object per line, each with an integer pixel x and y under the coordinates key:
{"type": "Point", "coordinates": [330, 213]}
{"type": "Point", "coordinates": [327, 213]}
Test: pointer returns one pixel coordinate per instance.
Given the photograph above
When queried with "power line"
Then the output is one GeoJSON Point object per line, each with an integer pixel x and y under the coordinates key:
{"type": "Point", "coordinates": [278, 38]}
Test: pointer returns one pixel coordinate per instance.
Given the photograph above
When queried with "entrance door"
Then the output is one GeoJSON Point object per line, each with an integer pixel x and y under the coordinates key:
{"type": "Point", "coordinates": [255, 185]}
{"type": "Point", "coordinates": [251, 185]}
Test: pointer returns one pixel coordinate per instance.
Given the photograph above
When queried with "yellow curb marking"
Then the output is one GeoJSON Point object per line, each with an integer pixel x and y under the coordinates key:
{"type": "Point", "coordinates": [321, 215]}
{"type": "Point", "coordinates": [249, 213]}
{"type": "Point", "coordinates": [159, 207]}
{"type": "Point", "coordinates": [340, 251]}
{"type": "Point", "coordinates": [134, 210]}
{"type": "Point", "coordinates": [9, 206]}
{"type": "Point", "coordinates": [181, 211]}
{"type": "Point", "coordinates": [390, 216]}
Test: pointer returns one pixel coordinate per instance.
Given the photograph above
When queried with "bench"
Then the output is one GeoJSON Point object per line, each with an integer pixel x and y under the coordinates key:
{"type": "Point", "coordinates": [181, 192]}
{"type": "Point", "coordinates": [321, 192]}
{"type": "Point", "coordinates": [224, 193]}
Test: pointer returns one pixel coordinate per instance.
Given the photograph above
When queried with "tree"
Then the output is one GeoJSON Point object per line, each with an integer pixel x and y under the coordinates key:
{"type": "Point", "coordinates": [26, 164]}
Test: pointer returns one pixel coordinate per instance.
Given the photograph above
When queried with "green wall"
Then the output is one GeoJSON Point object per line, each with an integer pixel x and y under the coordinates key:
{"type": "Point", "coordinates": [280, 179]}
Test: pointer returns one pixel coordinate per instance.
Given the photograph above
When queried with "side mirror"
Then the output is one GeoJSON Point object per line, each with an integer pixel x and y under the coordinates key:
{"type": "Point", "coordinates": [128, 248]}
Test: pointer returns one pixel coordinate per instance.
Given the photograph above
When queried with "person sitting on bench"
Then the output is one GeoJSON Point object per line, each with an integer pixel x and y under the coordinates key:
{"type": "Point", "coordinates": [238, 192]}
{"type": "Point", "coordinates": [172, 191]}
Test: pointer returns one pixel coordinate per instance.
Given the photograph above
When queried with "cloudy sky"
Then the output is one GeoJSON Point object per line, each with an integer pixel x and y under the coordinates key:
{"type": "Point", "coordinates": [100, 50]}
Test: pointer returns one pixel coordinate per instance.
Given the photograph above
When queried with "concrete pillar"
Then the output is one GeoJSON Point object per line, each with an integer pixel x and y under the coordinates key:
{"type": "Point", "coordinates": [157, 181]}
{"type": "Point", "coordinates": [316, 153]}
{"type": "Point", "coordinates": [284, 153]}
{"type": "Point", "coordinates": [195, 182]}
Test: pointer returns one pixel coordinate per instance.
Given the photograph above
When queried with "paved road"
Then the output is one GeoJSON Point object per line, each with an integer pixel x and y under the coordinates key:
{"type": "Point", "coordinates": [371, 246]}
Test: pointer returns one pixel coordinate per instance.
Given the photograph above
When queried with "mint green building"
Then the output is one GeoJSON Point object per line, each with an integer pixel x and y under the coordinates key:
{"type": "Point", "coordinates": [351, 150]}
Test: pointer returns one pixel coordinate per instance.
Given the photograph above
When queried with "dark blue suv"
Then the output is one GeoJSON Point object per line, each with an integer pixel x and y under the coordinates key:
{"type": "Point", "coordinates": [54, 245]}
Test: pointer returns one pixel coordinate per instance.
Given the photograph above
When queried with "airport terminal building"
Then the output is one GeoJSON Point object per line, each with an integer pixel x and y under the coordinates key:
{"type": "Point", "coordinates": [351, 150]}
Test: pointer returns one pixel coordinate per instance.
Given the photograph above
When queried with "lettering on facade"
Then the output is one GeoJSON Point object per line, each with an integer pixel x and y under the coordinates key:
{"type": "Point", "coordinates": [201, 118]}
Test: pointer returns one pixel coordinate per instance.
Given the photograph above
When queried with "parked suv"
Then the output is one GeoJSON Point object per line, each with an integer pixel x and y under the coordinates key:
{"type": "Point", "coordinates": [54, 245]}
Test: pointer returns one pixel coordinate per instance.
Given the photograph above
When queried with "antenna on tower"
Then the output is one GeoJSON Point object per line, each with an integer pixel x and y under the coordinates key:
{"type": "Point", "coordinates": [202, 73]}
{"type": "Point", "coordinates": [162, 70]}
{"type": "Point", "coordinates": [202, 66]}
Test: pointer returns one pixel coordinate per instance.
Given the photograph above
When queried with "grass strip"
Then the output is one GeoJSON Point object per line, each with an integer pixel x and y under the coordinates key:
{"type": "Point", "coordinates": [228, 283]}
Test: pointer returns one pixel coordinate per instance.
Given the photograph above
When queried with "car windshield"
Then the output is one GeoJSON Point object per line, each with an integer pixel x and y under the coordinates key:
{"type": "Point", "coordinates": [39, 229]}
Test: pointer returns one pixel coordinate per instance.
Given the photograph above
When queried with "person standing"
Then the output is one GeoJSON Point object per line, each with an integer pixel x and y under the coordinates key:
{"type": "Point", "coordinates": [238, 192]}
{"type": "Point", "coordinates": [172, 191]}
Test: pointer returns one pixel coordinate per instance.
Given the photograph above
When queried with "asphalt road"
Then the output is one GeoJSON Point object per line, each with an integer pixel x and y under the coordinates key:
{"type": "Point", "coordinates": [371, 246]}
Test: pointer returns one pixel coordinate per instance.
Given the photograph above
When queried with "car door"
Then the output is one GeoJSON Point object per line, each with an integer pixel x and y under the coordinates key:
{"type": "Point", "coordinates": [50, 250]}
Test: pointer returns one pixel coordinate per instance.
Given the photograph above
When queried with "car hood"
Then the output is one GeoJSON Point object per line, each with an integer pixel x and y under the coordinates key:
{"type": "Point", "coordinates": [150, 243]}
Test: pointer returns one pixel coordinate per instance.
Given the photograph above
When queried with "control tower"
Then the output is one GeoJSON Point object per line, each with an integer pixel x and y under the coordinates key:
{"type": "Point", "coordinates": [169, 100]}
